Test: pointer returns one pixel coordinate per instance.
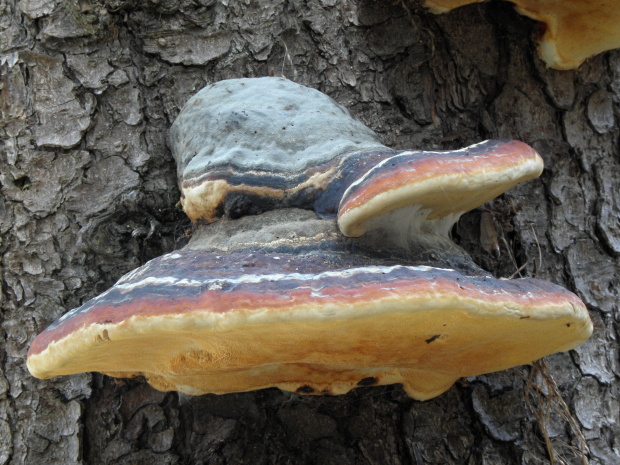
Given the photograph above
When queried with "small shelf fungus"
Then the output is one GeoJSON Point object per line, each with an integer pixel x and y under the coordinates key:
{"type": "Point", "coordinates": [571, 30]}
{"type": "Point", "coordinates": [322, 262]}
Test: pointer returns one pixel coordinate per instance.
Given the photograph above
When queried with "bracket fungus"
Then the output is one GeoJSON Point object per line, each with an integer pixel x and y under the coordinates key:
{"type": "Point", "coordinates": [329, 266]}
{"type": "Point", "coordinates": [572, 31]}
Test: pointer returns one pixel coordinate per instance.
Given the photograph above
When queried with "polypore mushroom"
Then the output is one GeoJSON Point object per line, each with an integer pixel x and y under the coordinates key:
{"type": "Point", "coordinates": [247, 146]}
{"type": "Point", "coordinates": [573, 29]}
{"type": "Point", "coordinates": [283, 298]}
{"type": "Point", "coordinates": [437, 186]}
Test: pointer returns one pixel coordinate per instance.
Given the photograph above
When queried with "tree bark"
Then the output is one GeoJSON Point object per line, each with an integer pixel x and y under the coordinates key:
{"type": "Point", "coordinates": [88, 92]}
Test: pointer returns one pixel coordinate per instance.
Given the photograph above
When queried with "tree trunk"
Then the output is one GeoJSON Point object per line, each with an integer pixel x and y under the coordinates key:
{"type": "Point", "coordinates": [88, 92]}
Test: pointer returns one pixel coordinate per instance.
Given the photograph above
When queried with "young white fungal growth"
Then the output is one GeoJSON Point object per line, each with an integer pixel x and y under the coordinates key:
{"type": "Point", "coordinates": [573, 30]}
{"type": "Point", "coordinates": [284, 298]}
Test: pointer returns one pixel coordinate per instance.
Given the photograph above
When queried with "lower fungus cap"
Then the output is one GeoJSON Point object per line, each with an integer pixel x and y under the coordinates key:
{"type": "Point", "coordinates": [200, 322]}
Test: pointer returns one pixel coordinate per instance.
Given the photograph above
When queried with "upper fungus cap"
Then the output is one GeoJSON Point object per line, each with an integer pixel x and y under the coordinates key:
{"type": "Point", "coordinates": [263, 124]}
{"type": "Point", "coordinates": [438, 186]}
{"type": "Point", "coordinates": [262, 137]}
{"type": "Point", "coordinates": [574, 29]}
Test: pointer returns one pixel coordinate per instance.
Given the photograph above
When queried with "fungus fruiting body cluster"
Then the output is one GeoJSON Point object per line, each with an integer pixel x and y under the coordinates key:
{"type": "Point", "coordinates": [322, 261]}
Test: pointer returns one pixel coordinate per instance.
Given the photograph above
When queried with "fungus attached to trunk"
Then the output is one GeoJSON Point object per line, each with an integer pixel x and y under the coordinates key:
{"type": "Point", "coordinates": [437, 187]}
{"type": "Point", "coordinates": [284, 298]}
{"type": "Point", "coordinates": [573, 30]}
{"type": "Point", "coordinates": [247, 146]}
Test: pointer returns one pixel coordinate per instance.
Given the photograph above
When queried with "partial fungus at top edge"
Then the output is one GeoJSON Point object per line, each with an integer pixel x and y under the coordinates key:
{"type": "Point", "coordinates": [574, 29]}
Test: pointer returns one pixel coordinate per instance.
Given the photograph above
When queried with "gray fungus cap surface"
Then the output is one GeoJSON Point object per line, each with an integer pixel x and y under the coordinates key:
{"type": "Point", "coordinates": [267, 124]}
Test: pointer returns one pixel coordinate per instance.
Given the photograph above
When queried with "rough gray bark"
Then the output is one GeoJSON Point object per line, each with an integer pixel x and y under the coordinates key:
{"type": "Point", "coordinates": [88, 92]}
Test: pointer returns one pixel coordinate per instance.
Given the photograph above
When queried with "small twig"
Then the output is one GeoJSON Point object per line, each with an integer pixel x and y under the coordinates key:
{"type": "Point", "coordinates": [543, 397]}
{"type": "Point", "coordinates": [287, 55]}
{"type": "Point", "coordinates": [540, 258]}
{"type": "Point", "coordinates": [512, 257]}
{"type": "Point", "coordinates": [518, 272]}
{"type": "Point", "coordinates": [405, 7]}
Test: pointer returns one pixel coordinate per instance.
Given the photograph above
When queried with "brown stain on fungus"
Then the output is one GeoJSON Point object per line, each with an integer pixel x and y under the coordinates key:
{"type": "Point", "coordinates": [191, 359]}
{"type": "Point", "coordinates": [103, 336]}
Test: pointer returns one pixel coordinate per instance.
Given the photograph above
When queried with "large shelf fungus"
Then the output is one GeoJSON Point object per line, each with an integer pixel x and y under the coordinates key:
{"type": "Point", "coordinates": [571, 31]}
{"type": "Point", "coordinates": [346, 278]}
